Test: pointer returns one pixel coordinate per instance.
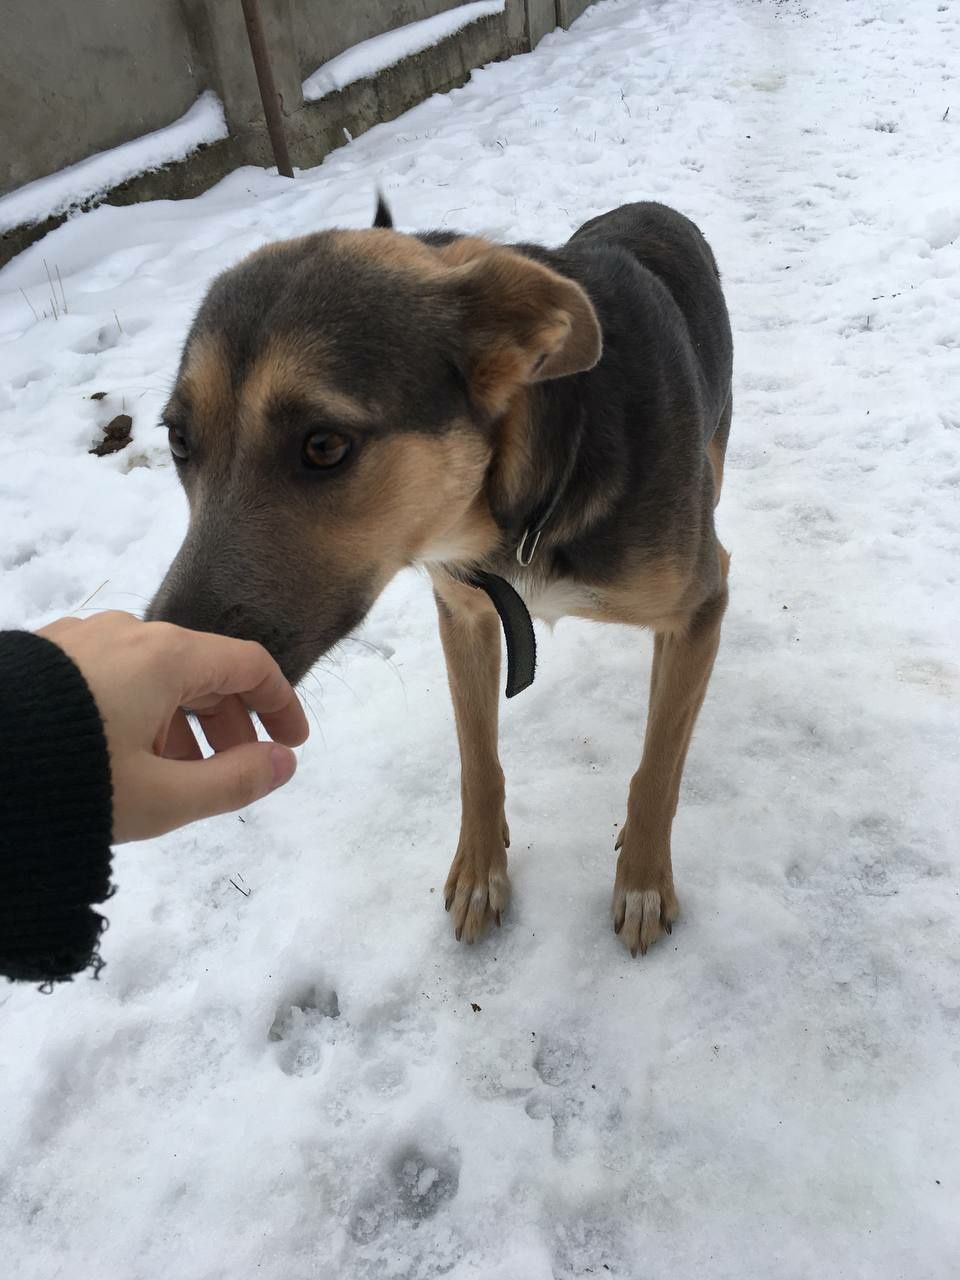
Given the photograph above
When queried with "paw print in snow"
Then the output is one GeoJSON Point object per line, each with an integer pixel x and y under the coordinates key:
{"type": "Point", "coordinates": [416, 1186]}
{"type": "Point", "coordinates": [423, 1183]}
{"type": "Point", "coordinates": [302, 1027]}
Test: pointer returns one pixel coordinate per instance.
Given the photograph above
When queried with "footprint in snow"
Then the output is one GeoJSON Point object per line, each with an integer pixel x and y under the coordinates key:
{"type": "Point", "coordinates": [302, 1027]}
{"type": "Point", "coordinates": [424, 1183]}
{"type": "Point", "coordinates": [417, 1185]}
{"type": "Point", "coordinates": [560, 1060]}
{"type": "Point", "coordinates": [109, 335]}
{"type": "Point", "coordinates": [585, 1112]}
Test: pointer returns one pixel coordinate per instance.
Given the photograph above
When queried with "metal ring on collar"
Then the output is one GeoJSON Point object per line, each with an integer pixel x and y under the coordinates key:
{"type": "Point", "coordinates": [525, 555]}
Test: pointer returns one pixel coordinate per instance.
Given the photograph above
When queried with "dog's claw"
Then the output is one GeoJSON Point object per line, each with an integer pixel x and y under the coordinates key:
{"type": "Point", "coordinates": [477, 892]}
{"type": "Point", "coordinates": [448, 900]}
{"type": "Point", "coordinates": [619, 916]}
{"type": "Point", "coordinates": [640, 916]}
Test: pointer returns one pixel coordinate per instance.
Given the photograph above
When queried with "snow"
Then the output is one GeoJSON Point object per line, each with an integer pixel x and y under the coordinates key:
{"type": "Point", "coordinates": [59, 192]}
{"type": "Point", "coordinates": [294, 1084]}
{"type": "Point", "coordinates": [386, 50]}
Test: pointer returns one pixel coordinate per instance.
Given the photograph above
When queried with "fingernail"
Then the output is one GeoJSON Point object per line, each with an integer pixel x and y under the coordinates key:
{"type": "Point", "coordinates": [284, 764]}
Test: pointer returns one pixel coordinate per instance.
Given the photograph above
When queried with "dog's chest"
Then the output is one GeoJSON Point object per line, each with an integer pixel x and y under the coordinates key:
{"type": "Point", "coordinates": [551, 600]}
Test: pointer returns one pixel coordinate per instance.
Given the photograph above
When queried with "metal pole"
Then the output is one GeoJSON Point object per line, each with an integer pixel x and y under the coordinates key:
{"type": "Point", "coordinates": [268, 90]}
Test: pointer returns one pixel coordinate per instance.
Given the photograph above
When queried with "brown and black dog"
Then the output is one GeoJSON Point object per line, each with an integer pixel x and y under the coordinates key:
{"type": "Point", "coordinates": [353, 402]}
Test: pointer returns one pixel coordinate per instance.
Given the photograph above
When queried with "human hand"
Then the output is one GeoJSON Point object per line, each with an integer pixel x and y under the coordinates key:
{"type": "Point", "coordinates": [142, 675]}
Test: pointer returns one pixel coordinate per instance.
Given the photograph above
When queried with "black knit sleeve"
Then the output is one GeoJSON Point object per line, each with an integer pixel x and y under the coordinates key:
{"type": "Point", "coordinates": [56, 813]}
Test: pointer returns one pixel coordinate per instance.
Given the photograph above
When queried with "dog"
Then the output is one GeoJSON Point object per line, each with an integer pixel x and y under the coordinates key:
{"type": "Point", "coordinates": [543, 429]}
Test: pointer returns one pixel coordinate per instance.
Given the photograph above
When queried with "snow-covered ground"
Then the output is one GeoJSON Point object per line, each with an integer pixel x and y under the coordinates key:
{"type": "Point", "coordinates": [310, 1078]}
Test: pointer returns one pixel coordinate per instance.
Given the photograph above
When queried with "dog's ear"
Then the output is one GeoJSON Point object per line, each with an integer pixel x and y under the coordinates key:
{"type": "Point", "coordinates": [383, 217]}
{"type": "Point", "coordinates": [522, 323]}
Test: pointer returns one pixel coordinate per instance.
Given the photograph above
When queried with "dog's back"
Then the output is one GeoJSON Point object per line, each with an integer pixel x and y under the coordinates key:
{"type": "Point", "coordinates": [668, 246]}
{"type": "Point", "coordinates": [649, 271]}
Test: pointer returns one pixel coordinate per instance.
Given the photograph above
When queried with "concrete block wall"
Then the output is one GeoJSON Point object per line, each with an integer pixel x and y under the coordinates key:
{"type": "Point", "coordinates": [569, 11]}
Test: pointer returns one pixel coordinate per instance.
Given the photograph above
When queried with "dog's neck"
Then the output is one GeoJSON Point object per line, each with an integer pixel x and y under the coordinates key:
{"type": "Point", "coordinates": [538, 445]}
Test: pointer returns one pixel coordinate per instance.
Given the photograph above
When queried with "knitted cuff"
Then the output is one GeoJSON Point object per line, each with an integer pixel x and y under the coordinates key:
{"type": "Point", "coordinates": [56, 813]}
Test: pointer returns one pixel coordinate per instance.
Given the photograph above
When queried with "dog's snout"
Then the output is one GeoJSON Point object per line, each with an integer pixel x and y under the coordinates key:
{"type": "Point", "coordinates": [206, 612]}
{"type": "Point", "coordinates": [200, 600]}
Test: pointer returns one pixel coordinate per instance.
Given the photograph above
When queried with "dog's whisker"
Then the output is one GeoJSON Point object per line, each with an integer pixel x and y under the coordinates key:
{"type": "Point", "coordinates": [308, 706]}
{"type": "Point", "coordinates": [329, 670]}
{"type": "Point", "coordinates": [384, 658]}
{"type": "Point", "coordinates": [107, 608]}
{"type": "Point", "coordinates": [331, 656]}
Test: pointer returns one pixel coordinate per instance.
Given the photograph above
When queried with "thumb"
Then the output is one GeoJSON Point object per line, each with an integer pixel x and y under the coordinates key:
{"type": "Point", "coordinates": [185, 791]}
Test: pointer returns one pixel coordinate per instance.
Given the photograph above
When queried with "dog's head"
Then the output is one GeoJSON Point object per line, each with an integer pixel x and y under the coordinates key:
{"type": "Point", "coordinates": [335, 418]}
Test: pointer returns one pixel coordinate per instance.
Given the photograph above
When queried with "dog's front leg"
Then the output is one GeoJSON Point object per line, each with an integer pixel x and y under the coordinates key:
{"type": "Point", "coordinates": [644, 901]}
{"type": "Point", "coordinates": [477, 888]}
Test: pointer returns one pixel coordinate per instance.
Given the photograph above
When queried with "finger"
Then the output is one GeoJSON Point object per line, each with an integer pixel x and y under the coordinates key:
{"type": "Point", "coordinates": [179, 743]}
{"type": "Point", "coordinates": [54, 630]}
{"type": "Point", "coordinates": [182, 792]}
{"type": "Point", "coordinates": [208, 664]}
{"type": "Point", "coordinates": [227, 724]}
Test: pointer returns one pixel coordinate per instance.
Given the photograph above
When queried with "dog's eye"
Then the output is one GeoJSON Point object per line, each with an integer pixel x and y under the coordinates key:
{"type": "Point", "coordinates": [326, 449]}
{"type": "Point", "coordinates": [178, 444]}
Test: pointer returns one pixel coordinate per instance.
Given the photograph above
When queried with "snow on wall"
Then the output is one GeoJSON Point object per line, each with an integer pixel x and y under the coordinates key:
{"type": "Point", "coordinates": [383, 51]}
{"type": "Point", "coordinates": [78, 183]}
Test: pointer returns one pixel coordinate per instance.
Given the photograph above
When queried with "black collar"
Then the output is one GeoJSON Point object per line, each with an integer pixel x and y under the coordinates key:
{"type": "Point", "coordinates": [514, 614]}
{"type": "Point", "coordinates": [517, 629]}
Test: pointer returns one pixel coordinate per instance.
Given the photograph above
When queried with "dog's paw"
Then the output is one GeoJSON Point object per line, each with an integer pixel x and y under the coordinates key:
{"type": "Point", "coordinates": [644, 902]}
{"type": "Point", "coordinates": [478, 888]}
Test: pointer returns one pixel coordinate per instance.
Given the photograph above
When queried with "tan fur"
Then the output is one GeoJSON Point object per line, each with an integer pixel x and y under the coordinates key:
{"type": "Point", "coordinates": [530, 324]}
{"type": "Point", "coordinates": [466, 249]}
{"type": "Point", "coordinates": [512, 456]}
{"type": "Point", "coordinates": [204, 384]}
{"type": "Point", "coordinates": [391, 250]}
{"type": "Point", "coordinates": [410, 492]}
{"type": "Point", "coordinates": [569, 326]}
{"type": "Point", "coordinates": [287, 369]}
{"type": "Point", "coordinates": [685, 645]}
{"type": "Point", "coordinates": [412, 497]}
{"type": "Point", "coordinates": [648, 594]}
{"type": "Point", "coordinates": [478, 888]}
{"type": "Point", "coordinates": [535, 323]}
{"type": "Point", "coordinates": [644, 901]}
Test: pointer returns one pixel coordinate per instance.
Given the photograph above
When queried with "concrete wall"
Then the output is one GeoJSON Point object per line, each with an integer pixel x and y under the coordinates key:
{"type": "Point", "coordinates": [79, 76]}
{"type": "Point", "coordinates": [541, 18]}
{"type": "Point", "coordinates": [569, 11]}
